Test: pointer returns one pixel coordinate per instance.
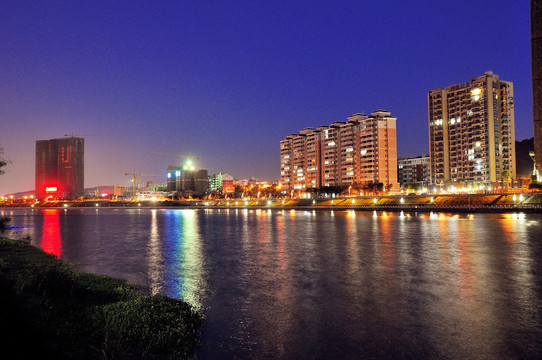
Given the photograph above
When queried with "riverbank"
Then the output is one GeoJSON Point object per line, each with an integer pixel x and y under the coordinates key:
{"type": "Point", "coordinates": [48, 309]}
{"type": "Point", "coordinates": [490, 203]}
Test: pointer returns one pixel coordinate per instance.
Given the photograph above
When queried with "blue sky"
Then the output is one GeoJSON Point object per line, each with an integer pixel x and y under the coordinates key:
{"type": "Point", "coordinates": [226, 81]}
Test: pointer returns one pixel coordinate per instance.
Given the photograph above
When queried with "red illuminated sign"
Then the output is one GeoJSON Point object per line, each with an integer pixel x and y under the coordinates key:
{"type": "Point", "coordinates": [51, 189]}
{"type": "Point", "coordinates": [65, 154]}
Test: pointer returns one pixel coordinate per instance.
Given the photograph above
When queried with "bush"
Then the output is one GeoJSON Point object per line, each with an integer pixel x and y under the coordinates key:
{"type": "Point", "coordinates": [74, 315]}
{"type": "Point", "coordinates": [149, 327]}
{"type": "Point", "coordinates": [53, 279]}
{"type": "Point", "coordinates": [3, 223]}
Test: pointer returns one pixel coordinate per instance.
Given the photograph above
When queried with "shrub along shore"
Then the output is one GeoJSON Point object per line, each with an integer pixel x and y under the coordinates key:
{"type": "Point", "coordinates": [49, 310]}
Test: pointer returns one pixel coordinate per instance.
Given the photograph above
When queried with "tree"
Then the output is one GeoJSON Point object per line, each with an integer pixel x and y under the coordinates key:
{"type": "Point", "coordinates": [3, 164]}
{"type": "Point", "coordinates": [3, 223]}
{"type": "Point", "coordinates": [506, 175]}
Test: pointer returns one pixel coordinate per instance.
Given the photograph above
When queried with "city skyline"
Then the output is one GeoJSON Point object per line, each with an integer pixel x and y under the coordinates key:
{"type": "Point", "coordinates": [228, 82]}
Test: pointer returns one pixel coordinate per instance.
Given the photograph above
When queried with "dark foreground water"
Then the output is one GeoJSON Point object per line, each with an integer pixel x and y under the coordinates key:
{"type": "Point", "coordinates": [320, 285]}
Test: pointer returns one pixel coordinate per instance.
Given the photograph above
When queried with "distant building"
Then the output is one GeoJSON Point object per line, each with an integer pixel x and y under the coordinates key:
{"type": "Point", "coordinates": [100, 191]}
{"type": "Point", "coordinates": [120, 190]}
{"type": "Point", "coordinates": [361, 151]}
{"type": "Point", "coordinates": [536, 65]}
{"type": "Point", "coordinates": [187, 182]}
{"type": "Point", "coordinates": [221, 182]}
{"type": "Point", "coordinates": [414, 170]}
{"type": "Point", "coordinates": [240, 182]}
{"type": "Point", "coordinates": [471, 131]}
{"type": "Point", "coordinates": [60, 167]}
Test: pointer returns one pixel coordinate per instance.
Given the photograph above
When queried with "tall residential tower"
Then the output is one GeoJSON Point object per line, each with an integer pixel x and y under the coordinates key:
{"type": "Point", "coordinates": [471, 131]}
{"type": "Point", "coordinates": [60, 167]}
{"type": "Point", "coordinates": [536, 65]}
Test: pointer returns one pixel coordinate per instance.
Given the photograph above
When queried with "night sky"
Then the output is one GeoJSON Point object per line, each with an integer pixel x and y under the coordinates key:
{"type": "Point", "coordinates": [226, 81]}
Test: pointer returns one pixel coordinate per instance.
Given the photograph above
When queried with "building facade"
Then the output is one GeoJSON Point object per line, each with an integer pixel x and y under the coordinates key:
{"type": "Point", "coordinates": [471, 131]}
{"type": "Point", "coordinates": [221, 182]}
{"type": "Point", "coordinates": [536, 65]}
{"type": "Point", "coordinates": [187, 182]}
{"type": "Point", "coordinates": [414, 170]}
{"type": "Point", "coordinates": [60, 168]}
{"type": "Point", "coordinates": [360, 151]}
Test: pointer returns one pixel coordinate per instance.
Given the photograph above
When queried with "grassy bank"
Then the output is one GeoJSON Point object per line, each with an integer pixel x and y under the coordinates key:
{"type": "Point", "coordinates": [51, 310]}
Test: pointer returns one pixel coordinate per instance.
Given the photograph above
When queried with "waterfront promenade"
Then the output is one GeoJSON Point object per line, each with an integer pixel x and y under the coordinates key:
{"type": "Point", "coordinates": [497, 202]}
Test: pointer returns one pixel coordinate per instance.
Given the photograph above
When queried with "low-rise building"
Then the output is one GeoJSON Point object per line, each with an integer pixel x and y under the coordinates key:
{"type": "Point", "coordinates": [414, 170]}
{"type": "Point", "coordinates": [221, 182]}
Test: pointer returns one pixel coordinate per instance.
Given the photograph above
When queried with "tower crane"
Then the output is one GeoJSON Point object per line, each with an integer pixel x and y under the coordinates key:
{"type": "Point", "coordinates": [73, 135]}
{"type": "Point", "coordinates": [134, 175]}
{"type": "Point", "coordinates": [189, 157]}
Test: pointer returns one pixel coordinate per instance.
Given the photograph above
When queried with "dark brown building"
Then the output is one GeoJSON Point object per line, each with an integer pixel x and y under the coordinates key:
{"type": "Point", "coordinates": [60, 168]}
{"type": "Point", "coordinates": [185, 182]}
{"type": "Point", "coordinates": [536, 63]}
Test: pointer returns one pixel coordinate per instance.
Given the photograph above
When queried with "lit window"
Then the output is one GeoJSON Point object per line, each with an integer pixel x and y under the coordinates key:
{"type": "Point", "coordinates": [476, 94]}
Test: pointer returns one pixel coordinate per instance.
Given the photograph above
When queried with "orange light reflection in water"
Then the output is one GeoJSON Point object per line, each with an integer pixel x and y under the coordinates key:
{"type": "Point", "coordinates": [388, 261]}
{"type": "Point", "coordinates": [280, 320]}
{"type": "Point", "coordinates": [442, 228]}
{"type": "Point", "coordinates": [467, 276]}
{"type": "Point", "coordinates": [509, 224]}
{"type": "Point", "coordinates": [51, 239]}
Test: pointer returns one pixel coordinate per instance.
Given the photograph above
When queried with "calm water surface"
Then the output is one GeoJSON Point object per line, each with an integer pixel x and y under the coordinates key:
{"type": "Point", "coordinates": [318, 285]}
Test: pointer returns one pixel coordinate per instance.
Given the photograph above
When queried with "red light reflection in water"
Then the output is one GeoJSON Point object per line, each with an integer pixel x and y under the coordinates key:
{"type": "Point", "coordinates": [51, 240]}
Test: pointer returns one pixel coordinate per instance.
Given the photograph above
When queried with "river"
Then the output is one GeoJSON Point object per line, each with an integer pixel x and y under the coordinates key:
{"type": "Point", "coordinates": [279, 284]}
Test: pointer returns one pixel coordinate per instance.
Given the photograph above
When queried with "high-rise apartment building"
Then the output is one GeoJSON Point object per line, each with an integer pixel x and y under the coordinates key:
{"type": "Point", "coordinates": [360, 151]}
{"type": "Point", "coordinates": [183, 181]}
{"type": "Point", "coordinates": [536, 65]}
{"type": "Point", "coordinates": [471, 131]}
{"type": "Point", "coordinates": [60, 167]}
{"type": "Point", "coordinates": [414, 170]}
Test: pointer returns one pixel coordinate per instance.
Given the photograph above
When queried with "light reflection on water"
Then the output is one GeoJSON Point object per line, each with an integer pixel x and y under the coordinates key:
{"type": "Point", "coordinates": [306, 284]}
